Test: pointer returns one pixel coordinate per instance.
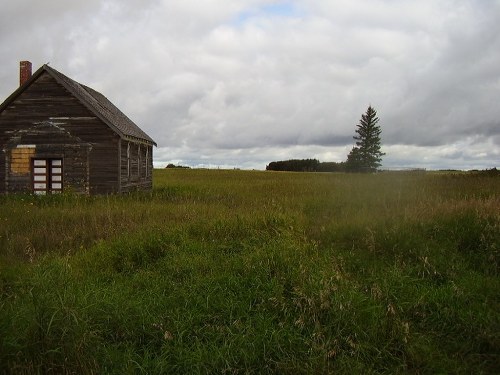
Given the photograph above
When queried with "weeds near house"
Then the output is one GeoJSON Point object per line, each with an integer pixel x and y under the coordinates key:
{"type": "Point", "coordinates": [255, 272]}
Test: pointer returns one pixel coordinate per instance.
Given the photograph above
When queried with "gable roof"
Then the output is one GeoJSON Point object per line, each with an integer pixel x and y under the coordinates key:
{"type": "Point", "coordinates": [93, 100]}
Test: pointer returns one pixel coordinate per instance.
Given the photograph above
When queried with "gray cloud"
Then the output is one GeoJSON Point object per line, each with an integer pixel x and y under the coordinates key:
{"type": "Point", "coordinates": [245, 82]}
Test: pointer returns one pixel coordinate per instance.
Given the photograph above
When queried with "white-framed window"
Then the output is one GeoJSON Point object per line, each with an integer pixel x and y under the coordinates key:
{"type": "Point", "coordinates": [47, 176]}
{"type": "Point", "coordinates": [139, 160]}
{"type": "Point", "coordinates": [128, 159]}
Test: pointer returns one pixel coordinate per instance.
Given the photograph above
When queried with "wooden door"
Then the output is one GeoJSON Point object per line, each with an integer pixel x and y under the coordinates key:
{"type": "Point", "coordinates": [47, 176]}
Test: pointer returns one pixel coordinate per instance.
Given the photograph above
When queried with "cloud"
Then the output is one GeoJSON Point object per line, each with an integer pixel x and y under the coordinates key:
{"type": "Point", "coordinates": [246, 82]}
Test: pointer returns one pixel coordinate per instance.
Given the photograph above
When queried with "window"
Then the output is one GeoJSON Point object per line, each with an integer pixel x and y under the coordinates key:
{"type": "Point", "coordinates": [128, 159]}
{"type": "Point", "coordinates": [47, 176]}
{"type": "Point", "coordinates": [139, 160]}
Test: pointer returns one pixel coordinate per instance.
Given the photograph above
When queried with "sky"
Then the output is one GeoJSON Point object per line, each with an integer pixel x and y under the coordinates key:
{"type": "Point", "coordinates": [241, 83]}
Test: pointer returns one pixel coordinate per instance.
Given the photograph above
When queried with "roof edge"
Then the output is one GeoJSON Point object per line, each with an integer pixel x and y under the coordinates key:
{"type": "Point", "coordinates": [57, 76]}
{"type": "Point", "coordinates": [22, 88]}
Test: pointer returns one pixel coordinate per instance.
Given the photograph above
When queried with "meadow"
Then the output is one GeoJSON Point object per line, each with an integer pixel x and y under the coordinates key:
{"type": "Point", "coordinates": [243, 272]}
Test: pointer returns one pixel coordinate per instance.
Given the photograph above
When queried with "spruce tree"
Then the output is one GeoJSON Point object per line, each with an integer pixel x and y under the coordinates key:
{"type": "Point", "coordinates": [366, 155]}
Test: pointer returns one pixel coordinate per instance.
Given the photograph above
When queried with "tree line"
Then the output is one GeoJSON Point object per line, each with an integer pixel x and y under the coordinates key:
{"type": "Point", "coordinates": [365, 156]}
{"type": "Point", "coordinates": [305, 165]}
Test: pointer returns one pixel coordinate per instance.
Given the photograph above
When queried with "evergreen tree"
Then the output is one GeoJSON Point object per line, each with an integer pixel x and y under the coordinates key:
{"type": "Point", "coordinates": [354, 163]}
{"type": "Point", "coordinates": [366, 155]}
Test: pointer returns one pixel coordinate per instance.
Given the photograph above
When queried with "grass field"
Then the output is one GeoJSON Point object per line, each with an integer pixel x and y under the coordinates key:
{"type": "Point", "coordinates": [255, 272]}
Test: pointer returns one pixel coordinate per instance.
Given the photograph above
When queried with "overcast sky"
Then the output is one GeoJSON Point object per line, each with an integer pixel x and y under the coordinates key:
{"type": "Point", "coordinates": [241, 83]}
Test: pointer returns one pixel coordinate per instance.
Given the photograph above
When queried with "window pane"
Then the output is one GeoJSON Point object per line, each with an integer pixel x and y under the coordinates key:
{"type": "Point", "coordinates": [56, 185]}
{"type": "Point", "coordinates": [40, 192]}
{"type": "Point", "coordinates": [57, 178]}
{"type": "Point", "coordinates": [40, 185]}
{"type": "Point", "coordinates": [39, 178]}
{"type": "Point", "coordinates": [39, 162]}
{"type": "Point", "coordinates": [56, 170]}
{"type": "Point", "coordinates": [57, 162]}
{"type": "Point", "coordinates": [41, 170]}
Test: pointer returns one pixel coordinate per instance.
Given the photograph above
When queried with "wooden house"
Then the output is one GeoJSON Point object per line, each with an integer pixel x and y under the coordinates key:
{"type": "Point", "coordinates": [59, 135]}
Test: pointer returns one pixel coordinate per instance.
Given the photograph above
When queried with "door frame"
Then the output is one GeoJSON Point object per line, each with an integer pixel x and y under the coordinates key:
{"type": "Point", "coordinates": [52, 177]}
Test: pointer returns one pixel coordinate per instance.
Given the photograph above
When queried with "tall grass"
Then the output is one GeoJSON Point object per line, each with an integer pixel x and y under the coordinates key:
{"type": "Point", "coordinates": [255, 272]}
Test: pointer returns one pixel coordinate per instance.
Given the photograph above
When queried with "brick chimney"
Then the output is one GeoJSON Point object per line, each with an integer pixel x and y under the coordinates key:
{"type": "Point", "coordinates": [24, 72]}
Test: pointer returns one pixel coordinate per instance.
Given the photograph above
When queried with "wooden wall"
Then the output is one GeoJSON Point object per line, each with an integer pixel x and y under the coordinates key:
{"type": "Point", "coordinates": [75, 168]}
{"type": "Point", "coordinates": [136, 166]}
{"type": "Point", "coordinates": [46, 141]}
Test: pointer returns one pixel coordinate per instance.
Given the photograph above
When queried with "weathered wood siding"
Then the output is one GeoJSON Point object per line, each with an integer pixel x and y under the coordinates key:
{"type": "Point", "coordinates": [136, 166]}
{"type": "Point", "coordinates": [46, 141]}
{"type": "Point", "coordinates": [75, 169]}
{"type": "Point", "coordinates": [47, 100]}
{"type": "Point", "coordinates": [2, 169]}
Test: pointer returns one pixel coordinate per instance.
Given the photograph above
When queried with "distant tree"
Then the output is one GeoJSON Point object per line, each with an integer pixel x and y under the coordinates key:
{"type": "Point", "coordinates": [170, 165]}
{"type": "Point", "coordinates": [366, 155]}
{"type": "Point", "coordinates": [294, 165]}
{"type": "Point", "coordinates": [331, 166]}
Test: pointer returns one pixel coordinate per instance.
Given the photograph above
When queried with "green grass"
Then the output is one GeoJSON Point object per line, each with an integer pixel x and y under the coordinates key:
{"type": "Point", "coordinates": [255, 272]}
